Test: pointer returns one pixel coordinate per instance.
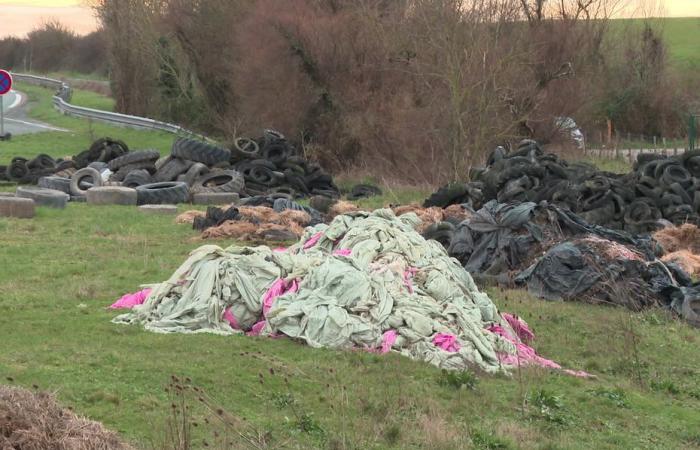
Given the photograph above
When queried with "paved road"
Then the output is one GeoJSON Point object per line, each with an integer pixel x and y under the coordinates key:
{"type": "Point", "coordinates": [16, 120]}
{"type": "Point", "coordinates": [11, 100]}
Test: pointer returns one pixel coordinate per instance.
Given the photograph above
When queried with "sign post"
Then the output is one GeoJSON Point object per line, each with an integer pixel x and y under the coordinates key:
{"type": "Point", "coordinates": [5, 86]}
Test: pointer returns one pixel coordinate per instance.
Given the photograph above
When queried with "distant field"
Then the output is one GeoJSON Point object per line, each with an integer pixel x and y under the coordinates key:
{"type": "Point", "coordinates": [682, 38]}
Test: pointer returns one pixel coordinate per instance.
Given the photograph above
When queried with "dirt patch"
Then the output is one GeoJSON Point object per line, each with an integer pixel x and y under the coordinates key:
{"type": "Point", "coordinates": [34, 421]}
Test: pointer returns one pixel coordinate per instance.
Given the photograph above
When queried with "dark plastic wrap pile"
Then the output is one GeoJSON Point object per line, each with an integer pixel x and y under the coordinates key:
{"type": "Point", "coordinates": [659, 187]}
{"type": "Point", "coordinates": [559, 256]}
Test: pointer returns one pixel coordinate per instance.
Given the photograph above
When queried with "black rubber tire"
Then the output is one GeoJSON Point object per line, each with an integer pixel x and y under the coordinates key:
{"type": "Point", "coordinates": [17, 170]}
{"type": "Point", "coordinates": [55, 183]}
{"type": "Point", "coordinates": [446, 195]}
{"type": "Point", "coordinates": [41, 162]}
{"type": "Point", "coordinates": [220, 181]}
{"type": "Point", "coordinates": [137, 178]}
{"type": "Point", "coordinates": [270, 135]}
{"type": "Point", "coordinates": [134, 157]}
{"type": "Point", "coordinates": [263, 163]}
{"type": "Point", "coordinates": [171, 169]}
{"type": "Point", "coordinates": [215, 198]}
{"type": "Point", "coordinates": [66, 173]}
{"type": "Point", "coordinates": [160, 162]}
{"type": "Point", "coordinates": [99, 166]}
{"type": "Point", "coordinates": [195, 172]}
{"type": "Point", "coordinates": [363, 191]}
{"type": "Point", "coordinates": [121, 174]}
{"type": "Point", "coordinates": [198, 151]}
{"type": "Point", "coordinates": [166, 193]}
{"type": "Point", "coordinates": [245, 148]}
{"type": "Point", "coordinates": [111, 195]}
{"type": "Point", "coordinates": [80, 176]}
{"type": "Point", "coordinates": [276, 152]}
{"type": "Point", "coordinates": [44, 197]}
{"type": "Point", "coordinates": [442, 232]}
{"type": "Point", "coordinates": [263, 175]}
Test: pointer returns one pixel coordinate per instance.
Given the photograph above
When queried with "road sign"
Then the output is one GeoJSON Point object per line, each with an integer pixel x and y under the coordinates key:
{"type": "Point", "coordinates": [5, 86]}
{"type": "Point", "coordinates": [5, 82]}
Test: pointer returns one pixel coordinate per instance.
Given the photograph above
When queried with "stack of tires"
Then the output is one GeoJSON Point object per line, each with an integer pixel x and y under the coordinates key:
{"type": "Point", "coordinates": [271, 164]}
{"type": "Point", "coordinates": [195, 171]}
{"type": "Point", "coordinates": [660, 189]}
{"type": "Point", "coordinates": [28, 171]}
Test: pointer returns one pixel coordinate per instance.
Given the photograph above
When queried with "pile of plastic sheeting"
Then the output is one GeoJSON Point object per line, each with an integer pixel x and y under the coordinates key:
{"type": "Point", "coordinates": [366, 280]}
{"type": "Point", "coordinates": [558, 255]}
{"type": "Point", "coordinates": [659, 187]}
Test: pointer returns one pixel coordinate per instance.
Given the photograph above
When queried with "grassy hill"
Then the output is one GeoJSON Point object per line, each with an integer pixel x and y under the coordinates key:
{"type": "Point", "coordinates": [682, 38]}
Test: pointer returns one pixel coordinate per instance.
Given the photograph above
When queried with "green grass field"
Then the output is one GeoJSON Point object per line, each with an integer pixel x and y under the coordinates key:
{"type": "Point", "coordinates": [62, 268]}
{"type": "Point", "coordinates": [682, 37]}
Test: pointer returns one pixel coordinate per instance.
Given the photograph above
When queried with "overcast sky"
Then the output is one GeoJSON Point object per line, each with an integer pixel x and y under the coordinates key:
{"type": "Point", "coordinates": [17, 17]}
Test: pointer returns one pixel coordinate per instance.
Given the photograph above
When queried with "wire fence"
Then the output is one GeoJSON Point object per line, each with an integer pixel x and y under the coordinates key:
{"type": "Point", "coordinates": [629, 145]}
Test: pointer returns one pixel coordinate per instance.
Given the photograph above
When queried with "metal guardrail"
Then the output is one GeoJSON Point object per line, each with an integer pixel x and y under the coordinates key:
{"type": "Point", "coordinates": [61, 101]}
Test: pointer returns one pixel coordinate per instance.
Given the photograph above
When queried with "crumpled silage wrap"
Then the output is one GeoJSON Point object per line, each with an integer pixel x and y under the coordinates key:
{"type": "Point", "coordinates": [363, 280]}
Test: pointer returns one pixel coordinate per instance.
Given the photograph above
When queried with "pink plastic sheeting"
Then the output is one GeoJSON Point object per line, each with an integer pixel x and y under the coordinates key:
{"type": "Point", "coordinates": [522, 330]}
{"type": "Point", "coordinates": [128, 301]}
{"type": "Point", "coordinates": [407, 277]}
{"type": "Point", "coordinates": [342, 252]}
{"type": "Point", "coordinates": [231, 319]}
{"type": "Point", "coordinates": [257, 328]}
{"type": "Point", "coordinates": [313, 240]}
{"type": "Point", "coordinates": [447, 342]}
{"type": "Point", "coordinates": [526, 355]}
{"type": "Point", "coordinates": [388, 339]}
{"type": "Point", "coordinates": [279, 287]}
{"type": "Point", "coordinates": [279, 249]}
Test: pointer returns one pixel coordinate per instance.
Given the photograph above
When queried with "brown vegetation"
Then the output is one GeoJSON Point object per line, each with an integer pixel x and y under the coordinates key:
{"type": "Point", "coordinates": [34, 421]}
{"type": "Point", "coordinates": [414, 90]}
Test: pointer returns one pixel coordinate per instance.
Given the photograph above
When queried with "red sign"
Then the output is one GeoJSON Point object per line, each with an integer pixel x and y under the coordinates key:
{"type": "Point", "coordinates": [5, 82]}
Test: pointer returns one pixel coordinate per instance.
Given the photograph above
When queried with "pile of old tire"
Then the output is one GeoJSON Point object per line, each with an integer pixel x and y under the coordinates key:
{"type": "Point", "coordinates": [657, 191]}
{"type": "Point", "coordinates": [271, 164]}
{"type": "Point", "coordinates": [31, 171]}
{"type": "Point", "coordinates": [192, 168]}
{"type": "Point", "coordinates": [102, 150]}
{"type": "Point", "coordinates": [28, 171]}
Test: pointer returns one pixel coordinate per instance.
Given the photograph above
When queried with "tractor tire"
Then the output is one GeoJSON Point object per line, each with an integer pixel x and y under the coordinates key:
{"type": "Point", "coordinates": [198, 151]}
{"type": "Point", "coordinates": [83, 175]}
{"type": "Point", "coordinates": [165, 193]}
{"type": "Point", "coordinates": [44, 197]}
